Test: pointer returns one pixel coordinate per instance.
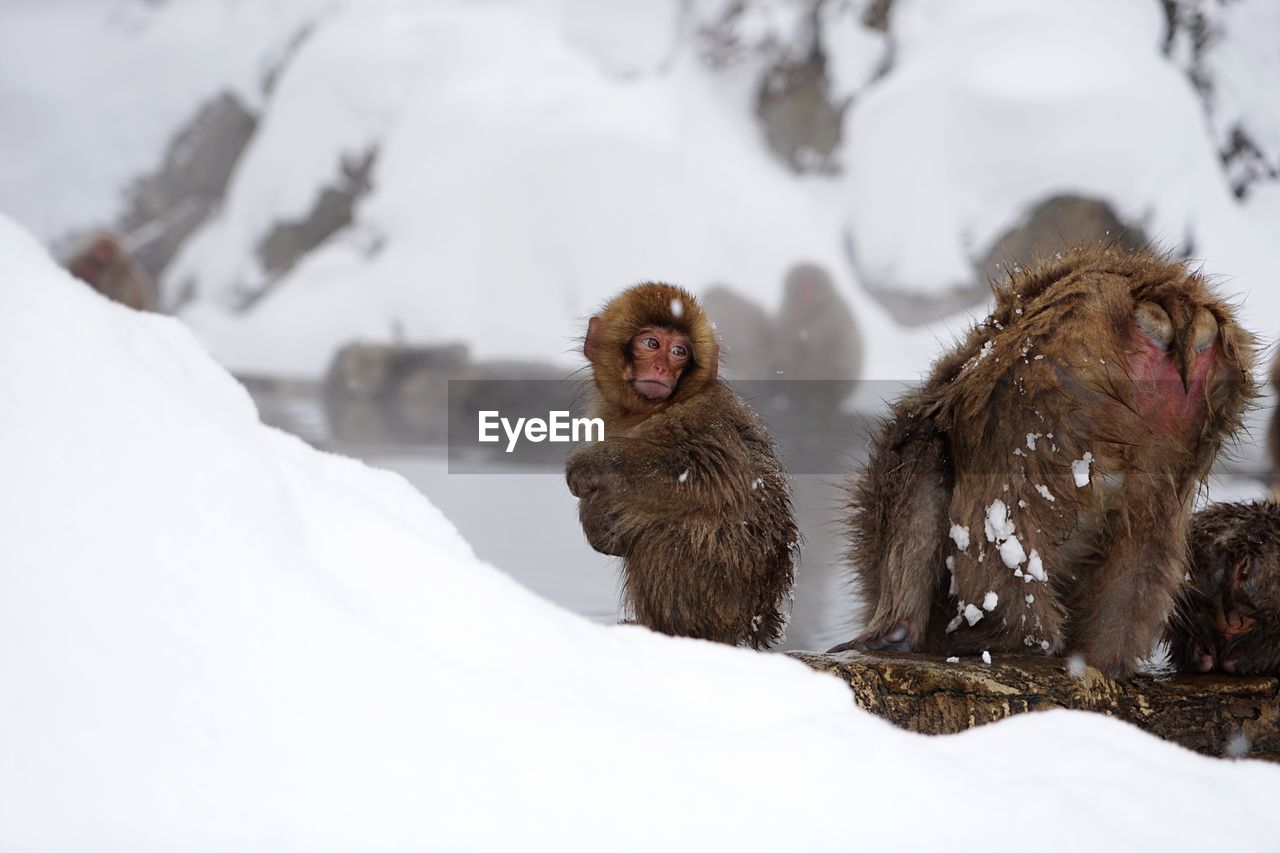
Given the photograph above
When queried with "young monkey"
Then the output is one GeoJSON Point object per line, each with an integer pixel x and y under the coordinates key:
{"type": "Point", "coordinates": [685, 487]}
{"type": "Point", "coordinates": [1228, 617]}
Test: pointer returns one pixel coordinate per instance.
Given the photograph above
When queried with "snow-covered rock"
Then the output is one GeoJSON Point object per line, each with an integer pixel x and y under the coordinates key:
{"type": "Point", "coordinates": [994, 105]}
{"type": "Point", "coordinates": [534, 156]}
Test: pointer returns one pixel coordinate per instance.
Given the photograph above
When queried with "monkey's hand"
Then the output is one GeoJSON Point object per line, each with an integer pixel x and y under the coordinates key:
{"type": "Point", "coordinates": [587, 472]}
{"type": "Point", "coordinates": [600, 525]}
{"type": "Point", "coordinates": [589, 477]}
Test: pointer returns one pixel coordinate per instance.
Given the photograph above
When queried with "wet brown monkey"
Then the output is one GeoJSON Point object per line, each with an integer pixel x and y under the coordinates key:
{"type": "Point", "coordinates": [1228, 616]}
{"type": "Point", "coordinates": [1035, 492]}
{"type": "Point", "coordinates": [685, 487]}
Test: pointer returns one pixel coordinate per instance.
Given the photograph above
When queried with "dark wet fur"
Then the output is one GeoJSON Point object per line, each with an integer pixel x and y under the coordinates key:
{"type": "Point", "coordinates": [1223, 537]}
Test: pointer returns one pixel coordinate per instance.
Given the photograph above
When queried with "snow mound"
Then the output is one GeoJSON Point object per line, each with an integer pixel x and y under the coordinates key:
{"type": "Point", "coordinates": [217, 638]}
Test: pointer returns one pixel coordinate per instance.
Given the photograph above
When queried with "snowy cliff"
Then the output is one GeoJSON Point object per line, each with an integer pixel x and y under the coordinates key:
{"type": "Point", "coordinates": [491, 172]}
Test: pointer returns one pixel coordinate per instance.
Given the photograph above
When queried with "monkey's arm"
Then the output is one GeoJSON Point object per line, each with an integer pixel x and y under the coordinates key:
{"type": "Point", "coordinates": [712, 474]}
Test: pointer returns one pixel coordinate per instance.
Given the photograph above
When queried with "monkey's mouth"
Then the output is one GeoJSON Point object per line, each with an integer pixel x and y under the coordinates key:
{"type": "Point", "coordinates": [652, 389]}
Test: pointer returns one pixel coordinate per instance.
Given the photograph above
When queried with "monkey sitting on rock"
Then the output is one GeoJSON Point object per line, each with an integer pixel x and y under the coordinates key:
{"type": "Point", "coordinates": [685, 486]}
{"type": "Point", "coordinates": [1228, 616]}
{"type": "Point", "coordinates": [1035, 492]}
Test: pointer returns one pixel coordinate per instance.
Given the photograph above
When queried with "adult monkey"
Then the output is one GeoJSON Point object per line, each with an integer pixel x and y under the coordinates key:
{"type": "Point", "coordinates": [685, 486]}
{"type": "Point", "coordinates": [1035, 492]}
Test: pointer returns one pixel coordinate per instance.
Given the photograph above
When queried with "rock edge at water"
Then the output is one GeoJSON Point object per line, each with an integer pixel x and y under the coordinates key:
{"type": "Point", "coordinates": [1212, 714]}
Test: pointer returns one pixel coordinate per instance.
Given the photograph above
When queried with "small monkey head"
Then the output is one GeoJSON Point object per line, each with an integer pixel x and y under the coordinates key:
{"type": "Point", "coordinates": [651, 346]}
{"type": "Point", "coordinates": [104, 250]}
{"type": "Point", "coordinates": [1230, 617]}
{"type": "Point", "coordinates": [808, 285]}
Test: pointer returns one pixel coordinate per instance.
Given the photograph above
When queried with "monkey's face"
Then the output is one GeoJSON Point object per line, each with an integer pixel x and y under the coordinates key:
{"type": "Point", "coordinates": [656, 359]}
{"type": "Point", "coordinates": [104, 251]}
{"type": "Point", "coordinates": [1232, 615]}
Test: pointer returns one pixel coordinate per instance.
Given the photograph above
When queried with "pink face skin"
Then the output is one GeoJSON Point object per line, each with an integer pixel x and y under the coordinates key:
{"type": "Point", "coordinates": [658, 357]}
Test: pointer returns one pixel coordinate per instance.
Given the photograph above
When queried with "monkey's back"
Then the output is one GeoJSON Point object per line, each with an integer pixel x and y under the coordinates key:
{"type": "Point", "coordinates": [718, 564]}
{"type": "Point", "coordinates": [1000, 496]}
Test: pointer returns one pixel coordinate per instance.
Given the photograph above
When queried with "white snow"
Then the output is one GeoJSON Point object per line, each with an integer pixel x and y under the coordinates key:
{"type": "Point", "coordinates": [226, 640]}
{"type": "Point", "coordinates": [1080, 470]}
{"type": "Point", "coordinates": [953, 659]}
{"type": "Point", "coordinates": [1045, 493]}
{"type": "Point", "coordinates": [1239, 745]}
{"type": "Point", "coordinates": [993, 105]}
{"type": "Point", "coordinates": [623, 156]}
{"type": "Point", "coordinates": [989, 601]}
{"type": "Point", "coordinates": [684, 475]}
{"type": "Point", "coordinates": [972, 615]}
{"type": "Point", "coordinates": [522, 160]}
{"type": "Point", "coordinates": [1011, 552]}
{"type": "Point", "coordinates": [125, 76]}
{"type": "Point", "coordinates": [1035, 566]}
{"type": "Point", "coordinates": [1075, 666]}
{"type": "Point", "coordinates": [986, 657]}
{"type": "Point", "coordinates": [999, 526]}
{"type": "Point", "coordinates": [1031, 440]}
{"type": "Point", "coordinates": [960, 535]}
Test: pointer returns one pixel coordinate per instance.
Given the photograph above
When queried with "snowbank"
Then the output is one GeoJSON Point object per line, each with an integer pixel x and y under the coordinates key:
{"type": "Point", "coordinates": [216, 638]}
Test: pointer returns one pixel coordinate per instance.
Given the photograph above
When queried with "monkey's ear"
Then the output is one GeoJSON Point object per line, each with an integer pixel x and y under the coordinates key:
{"type": "Point", "coordinates": [593, 337]}
{"type": "Point", "coordinates": [713, 369]}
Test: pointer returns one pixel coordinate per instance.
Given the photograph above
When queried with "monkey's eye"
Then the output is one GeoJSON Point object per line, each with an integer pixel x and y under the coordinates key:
{"type": "Point", "coordinates": [679, 351]}
{"type": "Point", "coordinates": [650, 343]}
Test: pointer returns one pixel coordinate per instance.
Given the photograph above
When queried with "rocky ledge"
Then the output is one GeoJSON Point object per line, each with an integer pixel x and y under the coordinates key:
{"type": "Point", "coordinates": [1216, 715]}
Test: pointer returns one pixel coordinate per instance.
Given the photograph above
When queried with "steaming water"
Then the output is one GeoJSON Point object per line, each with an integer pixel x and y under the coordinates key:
{"type": "Point", "coordinates": [523, 520]}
